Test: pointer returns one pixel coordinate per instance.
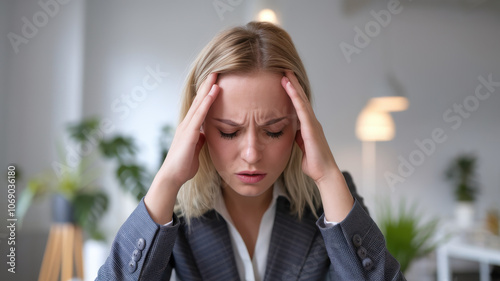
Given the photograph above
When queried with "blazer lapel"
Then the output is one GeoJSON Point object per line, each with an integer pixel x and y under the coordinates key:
{"type": "Point", "coordinates": [215, 244]}
{"type": "Point", "coordinates": [291, 240]}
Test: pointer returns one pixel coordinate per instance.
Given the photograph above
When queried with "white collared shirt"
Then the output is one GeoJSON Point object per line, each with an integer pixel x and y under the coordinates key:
{"type": "Point", "coordinates": [251, 269]}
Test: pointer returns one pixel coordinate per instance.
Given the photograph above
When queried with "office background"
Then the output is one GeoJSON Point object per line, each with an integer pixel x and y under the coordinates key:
{"type": "Point", "coordinates": [87, 56]}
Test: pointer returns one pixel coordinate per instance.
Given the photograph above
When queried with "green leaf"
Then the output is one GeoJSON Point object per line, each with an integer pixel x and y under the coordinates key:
{"type": "Point", "coordinates": [407, 235]}
{"type": "Point", "coordinates": [118, 147]}
{"type": "Point", "coordinates": [134, 179]}
{"type": "Point", "coordinates": [80, 132]}
{"type": "Point", "coordinates": [89, 208]}
{"type": "Point", "coordinates": [461, 172]}
{"type": "Point", "coordinates": [25, 200]}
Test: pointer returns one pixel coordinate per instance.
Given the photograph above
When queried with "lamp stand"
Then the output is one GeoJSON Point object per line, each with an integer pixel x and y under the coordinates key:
{"type": "Point", "coordinates": [369, 189]}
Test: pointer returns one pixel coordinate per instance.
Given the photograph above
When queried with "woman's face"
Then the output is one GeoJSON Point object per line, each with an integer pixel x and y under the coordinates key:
{"type": "Point", "coordinates": [250, 130]}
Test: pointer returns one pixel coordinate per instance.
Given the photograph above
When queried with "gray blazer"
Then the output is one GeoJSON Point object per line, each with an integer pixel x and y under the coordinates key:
{"type": "Point", "coordinates": [300, 249]}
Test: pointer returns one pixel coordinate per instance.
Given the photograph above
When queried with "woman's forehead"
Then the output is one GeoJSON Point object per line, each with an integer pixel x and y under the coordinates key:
{"type": "Point", "coordinates": [258, 93]}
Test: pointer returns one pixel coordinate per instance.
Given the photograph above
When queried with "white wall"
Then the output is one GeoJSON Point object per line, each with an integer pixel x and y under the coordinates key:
{"type": "Point", "coordinates": [4, 71]}
{"type": "Point", "coordinates": [437, 51]}
{"type": "Point", "coordinates": [43, 86]}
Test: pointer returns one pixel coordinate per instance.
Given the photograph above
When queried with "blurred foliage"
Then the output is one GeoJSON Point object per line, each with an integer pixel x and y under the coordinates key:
{"type": "Point", "coordinates": [76, 182]}
{"type": "Point", "coordinates": [462, 172]}
{"type": "Point", "coordinates": [407, 236]}
{"type": "Point", "coordinates": [77, 185]}
{"type": "Point", "coordinates": [166, 138]}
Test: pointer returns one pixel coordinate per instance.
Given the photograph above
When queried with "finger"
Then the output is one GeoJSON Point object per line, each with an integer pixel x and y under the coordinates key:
{"type": "Point", "coordinates": [201, 112]}
{"type": "Point", "coordinates": [199, 145]}
{"type": "Point", "coordinates": [207, 84]}
{"type": "Point", "coordinates": [302, 107]}
{"type": "Point", "coordinates": [202, 92]}
{"type": "Point", "coordinates": [299, 140]}
{"type": "Point", "coordinates": [296, 84]}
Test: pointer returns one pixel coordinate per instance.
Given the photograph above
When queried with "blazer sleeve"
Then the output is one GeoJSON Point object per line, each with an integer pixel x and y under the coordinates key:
{"type": "Point", "coordinates": [356, 248]}
{"type": "Point", "coordinates": [141, 249]}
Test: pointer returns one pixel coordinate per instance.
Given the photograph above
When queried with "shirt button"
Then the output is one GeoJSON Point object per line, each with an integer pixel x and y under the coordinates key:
{"type": "Point", "coordinates": [356, 240]}
{"type": "Point", "coordinates": [132, 266]}
{"type": "Point", "coordinates": [367, 263]}
{"type": "Point", "coordinates": [141, 244]}
{"type": "Point", "coordinates": [136, 255]}
{"type": "Point", "coordinates": [361, 252]}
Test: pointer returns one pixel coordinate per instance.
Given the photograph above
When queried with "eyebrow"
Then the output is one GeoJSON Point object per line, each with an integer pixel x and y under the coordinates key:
{"type": "Point", "coordinates": [267, 123]}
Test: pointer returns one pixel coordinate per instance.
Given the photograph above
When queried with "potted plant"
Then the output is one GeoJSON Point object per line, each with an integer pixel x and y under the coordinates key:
{"type": "Point", "coordinates": [462, 173]}
{"type": "Point", "coordinates": [408, 237]}
{"type": "Point", "coordinates": [76, 183]}
{"type": "Point", "coordinates": [75, 196]}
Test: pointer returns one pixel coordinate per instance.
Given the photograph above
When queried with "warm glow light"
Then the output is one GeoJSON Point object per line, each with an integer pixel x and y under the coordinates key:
{"type": "Point", "coordinates": [267, 15]}
{"type": "Point", "coordinates": [374, 125]}
{"type": "Point", "coordinates": [388, 94]}
{"type": "Point", "coordinates": [389, 103]}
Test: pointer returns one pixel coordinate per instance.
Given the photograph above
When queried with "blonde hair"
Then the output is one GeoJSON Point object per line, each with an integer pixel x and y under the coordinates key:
{"type": "Point", "coordinates": [245, 49]}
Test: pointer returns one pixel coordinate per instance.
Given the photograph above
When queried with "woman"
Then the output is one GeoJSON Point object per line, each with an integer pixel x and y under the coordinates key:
{"type": "Point", "coordinates": [251, 171]}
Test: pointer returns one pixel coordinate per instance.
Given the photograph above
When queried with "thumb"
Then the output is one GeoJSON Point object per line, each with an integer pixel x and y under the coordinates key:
{"type": "Point", "coordinates": [299, 140]}
{"type": "Point", "coordinates": [200, 143]}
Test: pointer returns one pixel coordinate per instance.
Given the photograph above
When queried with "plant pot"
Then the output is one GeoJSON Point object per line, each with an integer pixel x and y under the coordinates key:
{"type": "Point", "coordinates": [62, 210]}
{"type": "Point", "coordinates": [464, 214]}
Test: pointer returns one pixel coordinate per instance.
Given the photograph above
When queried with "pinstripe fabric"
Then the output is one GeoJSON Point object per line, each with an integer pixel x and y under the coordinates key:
{"type": "Point", "coordinates": [299, 250]}
{"type": "Point", "coordinates": [296, 249]}
{"type": "Point", "coordinates": [212, 257]}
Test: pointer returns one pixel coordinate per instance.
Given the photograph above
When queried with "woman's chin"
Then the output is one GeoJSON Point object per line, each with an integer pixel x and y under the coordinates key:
{"type": "Point", "coordinates": [249, 190]}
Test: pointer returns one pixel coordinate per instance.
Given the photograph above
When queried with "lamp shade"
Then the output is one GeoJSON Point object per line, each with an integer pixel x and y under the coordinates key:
{"type": "Point", "coordinates": [389, 95]}
{"type": "Point", "coordinates": [267, 15]}
{"type": "Point", "coordinates": [374, 125]}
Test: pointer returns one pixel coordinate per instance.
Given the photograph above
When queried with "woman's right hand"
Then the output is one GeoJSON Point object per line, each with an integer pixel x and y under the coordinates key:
{"type": "Point", "coordinates": [181, 163]}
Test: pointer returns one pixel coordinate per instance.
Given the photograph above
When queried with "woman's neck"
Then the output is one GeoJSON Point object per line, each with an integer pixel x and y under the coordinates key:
{"type": "Point", "coordinates": [246, 205]}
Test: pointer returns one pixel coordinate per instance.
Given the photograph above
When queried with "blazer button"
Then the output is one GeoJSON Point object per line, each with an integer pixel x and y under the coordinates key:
{"type": "Point", "coordinates": [136, 255]}
{"type": "Point", "coordinates": [132, 266]}
{"type": "Point", "coordinates": [141, 244]}
{"type": "Point", "coordinates": [356, 240]}
{"type": "Point", "coordinates": [362, 252]}
{"type": "Point", "coordinates": [367, 263]}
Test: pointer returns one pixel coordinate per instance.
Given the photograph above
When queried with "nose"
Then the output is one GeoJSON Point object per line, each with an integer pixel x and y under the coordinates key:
{"type": "Point", "coordinates": [251, 151]}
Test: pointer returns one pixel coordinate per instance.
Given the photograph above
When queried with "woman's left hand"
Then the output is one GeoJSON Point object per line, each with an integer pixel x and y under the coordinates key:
{"type": "Point", "coordinates": [317, 160]}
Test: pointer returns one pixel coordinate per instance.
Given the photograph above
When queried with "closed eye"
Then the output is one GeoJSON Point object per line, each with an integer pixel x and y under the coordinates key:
{"type": "Point", "coordinates": [230, 136]}
{"type": "Point", "coordinates": [275, 135]}
{"type": "Point", "coordinates": [226, 135]}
